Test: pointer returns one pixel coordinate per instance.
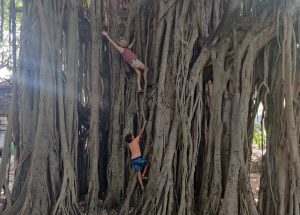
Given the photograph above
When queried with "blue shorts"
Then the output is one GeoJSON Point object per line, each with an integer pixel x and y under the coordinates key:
{"type": "Point", "coordinates": [138, 163]}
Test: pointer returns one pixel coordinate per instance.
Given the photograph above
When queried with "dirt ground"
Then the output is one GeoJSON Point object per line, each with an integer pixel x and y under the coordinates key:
{"type": "Point", "coordinates": [10, 184]}
{"type": "Point", "coordinates": [256, 161]}
{"type": "Point", "coordinates": [255, 181]}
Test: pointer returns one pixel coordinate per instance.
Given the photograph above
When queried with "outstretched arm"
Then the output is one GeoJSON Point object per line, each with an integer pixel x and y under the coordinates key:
{"type": "Point", "coordinates": [119, 48]}
{"type": "Point", "coordinates": [131, 44]}
{"type": "Point", "coordinates": [143, 128]}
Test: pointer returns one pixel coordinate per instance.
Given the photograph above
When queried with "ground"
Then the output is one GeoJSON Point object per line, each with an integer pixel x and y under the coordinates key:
{"type": "Point", "coordinates": [11, 180]}
{"type": "Point", "coordinates": [256, 161]}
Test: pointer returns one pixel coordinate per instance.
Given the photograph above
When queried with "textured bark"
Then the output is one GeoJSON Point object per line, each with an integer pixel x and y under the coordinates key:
{"type": "Point", "coordinates": [279, 190]}
{"type": "Point", "coordinates": [48, 86]}
{"type": "Point", "coordinates": [96, 95]}
{"type": "Point", "coordinates": [116, 166]}
{"type": "Point", "coordinates": [211, 63]}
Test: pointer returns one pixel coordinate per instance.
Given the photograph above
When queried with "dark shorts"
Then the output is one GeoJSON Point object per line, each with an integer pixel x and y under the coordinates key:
{"type": "Point", "coordinates": [138, 163]}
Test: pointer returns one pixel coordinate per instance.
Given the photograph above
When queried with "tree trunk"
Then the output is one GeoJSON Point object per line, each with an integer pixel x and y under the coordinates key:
{"type": "Point", "coordinates": [210, 64]}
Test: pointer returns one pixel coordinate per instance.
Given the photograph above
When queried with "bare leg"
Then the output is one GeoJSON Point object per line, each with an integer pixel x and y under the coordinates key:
{"type": "Point", "coordinates": [145, 74]}
{"type": "Point", "coordinates": [138, 72]}
{"type": "Point", "coordinates": [146, 77]}
{"type": "Point", "coordinates": [139, 176]}
{"type": "Point", "coordinates": [146, 169]}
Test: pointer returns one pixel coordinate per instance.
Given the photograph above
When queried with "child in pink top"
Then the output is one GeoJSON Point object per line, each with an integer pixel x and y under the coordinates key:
{"type": "Point", "coordinates": [130, 58]}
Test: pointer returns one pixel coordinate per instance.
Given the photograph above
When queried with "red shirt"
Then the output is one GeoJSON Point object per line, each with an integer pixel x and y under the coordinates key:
{"type": "Point", "coordinates": [128, 56]}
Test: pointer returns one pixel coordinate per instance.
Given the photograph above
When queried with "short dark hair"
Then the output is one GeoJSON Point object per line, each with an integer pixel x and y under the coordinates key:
{"type": "Point", "coordinates": [128, 138]}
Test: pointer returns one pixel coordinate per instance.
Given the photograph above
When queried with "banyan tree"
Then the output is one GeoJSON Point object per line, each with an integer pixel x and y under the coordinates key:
{"type": "Point", "coordinates": [211, 65]}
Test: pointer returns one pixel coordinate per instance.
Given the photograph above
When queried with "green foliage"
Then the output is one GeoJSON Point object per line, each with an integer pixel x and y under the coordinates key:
{"type": "Point", "coordinates": [12, 148]}
{"type": "Point", "coordinates": [87, 3]}
{"type": "Point", "coordinates": [19, 5]}
{"type": "Point", "coordinates": [259, 135]}
{"type": "Point", "coordinates": [6, 43]}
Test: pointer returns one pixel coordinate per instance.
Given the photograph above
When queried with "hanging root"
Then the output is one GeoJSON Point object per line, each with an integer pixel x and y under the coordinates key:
{"type": "Point", "coordinates": [67, 200]}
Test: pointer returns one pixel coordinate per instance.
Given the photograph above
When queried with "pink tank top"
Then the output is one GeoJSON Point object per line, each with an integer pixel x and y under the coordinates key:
{"type": "Point", "coordinates": [128, 56]}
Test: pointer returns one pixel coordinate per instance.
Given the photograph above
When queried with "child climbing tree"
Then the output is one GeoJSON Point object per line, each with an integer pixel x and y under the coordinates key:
{"type": "Point", "coordinates": [136, 156]}
{"type": "Point", "coordinates": [213, 62]}
{"type": "Point", "coordinates": [130, 59]}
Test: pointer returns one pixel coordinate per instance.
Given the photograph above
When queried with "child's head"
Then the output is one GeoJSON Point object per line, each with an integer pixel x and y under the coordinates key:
{"type": "Point", "coordinates": [128, 138]}
{"type": "Point", "coordinates": [123, 42]}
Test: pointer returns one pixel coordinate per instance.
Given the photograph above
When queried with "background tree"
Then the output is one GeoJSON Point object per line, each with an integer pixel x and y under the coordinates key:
{"type": "Point", "coordinates": [211, 64]}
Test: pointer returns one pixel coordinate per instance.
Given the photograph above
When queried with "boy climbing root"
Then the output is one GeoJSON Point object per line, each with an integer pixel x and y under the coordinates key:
{"type": "Point", "coordinates": [136, 157]}
{"type": "Point", "coordinates": [130, 58]}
